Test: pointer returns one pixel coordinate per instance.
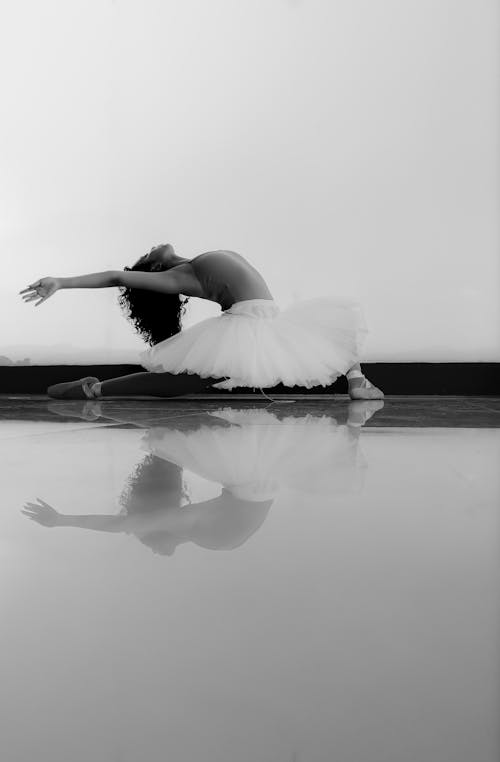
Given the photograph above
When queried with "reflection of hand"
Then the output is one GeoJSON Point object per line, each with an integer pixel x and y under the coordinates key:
{"type": "Point", "coordinates": [44, 514]}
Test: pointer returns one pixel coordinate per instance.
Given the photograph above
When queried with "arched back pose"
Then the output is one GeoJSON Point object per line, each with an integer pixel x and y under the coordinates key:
{"type": "Point", "coordinates": [252, 343]}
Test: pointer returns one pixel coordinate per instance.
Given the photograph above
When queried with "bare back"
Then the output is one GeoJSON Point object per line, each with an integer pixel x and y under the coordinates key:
{"type": "Point", "coordinates": [226, 277]}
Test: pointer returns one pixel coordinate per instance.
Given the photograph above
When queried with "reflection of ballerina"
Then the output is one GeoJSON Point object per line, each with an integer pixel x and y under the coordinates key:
{"type": "Point", "coordinates": [250, 453]}
{"type": "Point", "coordinates": [153, 511]}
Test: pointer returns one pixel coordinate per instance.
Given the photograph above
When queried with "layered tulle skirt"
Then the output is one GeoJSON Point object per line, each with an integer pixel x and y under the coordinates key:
{"type": "Point", "coordinates": [257, 344]}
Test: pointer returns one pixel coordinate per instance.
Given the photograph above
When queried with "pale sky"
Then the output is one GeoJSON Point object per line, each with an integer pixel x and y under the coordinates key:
{"type": "Point", "coordinates": [344, 148]}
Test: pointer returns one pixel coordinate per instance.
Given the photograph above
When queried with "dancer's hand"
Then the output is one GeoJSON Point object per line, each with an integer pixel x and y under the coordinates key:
{"type": "Point", "coordinates": [41, 289]}
{"type": "Point", "coordinates": [44, 514]}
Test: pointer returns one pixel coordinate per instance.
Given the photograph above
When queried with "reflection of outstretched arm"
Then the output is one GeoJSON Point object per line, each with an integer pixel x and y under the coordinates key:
{"type": "Point", "coordinates": [44, 514]}
{"type": "Point", "coordinates": [173, 519]}
{"type": "Point", "coordinates": [90, 521]}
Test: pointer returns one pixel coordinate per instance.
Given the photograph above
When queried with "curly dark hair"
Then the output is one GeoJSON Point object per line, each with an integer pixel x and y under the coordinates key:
{"type": "Point", "coordinates": [156, 316]}
{"type": "Point", "coordinates": [155, 485]}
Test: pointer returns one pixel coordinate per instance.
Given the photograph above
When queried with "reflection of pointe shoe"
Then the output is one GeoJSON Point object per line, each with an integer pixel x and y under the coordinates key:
{"type": "Point", "coordinates": [72, 390]}
{"type": "Point", "coordinates": [360, 411]}
{"type": "Point", "coordinates": [362, 389]}
{"type": "Point", "coordinates": [89, 410]}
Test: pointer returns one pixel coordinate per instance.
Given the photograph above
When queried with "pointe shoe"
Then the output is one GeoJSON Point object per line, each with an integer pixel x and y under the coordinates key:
{"type": "Point", "coordinates": [72, 390]}
{"type": "Point", "coordinates": [364, 390]}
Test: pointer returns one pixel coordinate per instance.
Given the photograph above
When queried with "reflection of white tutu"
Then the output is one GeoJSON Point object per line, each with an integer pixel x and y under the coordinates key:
{"type": "Point", "coordinates": [258, 454]}
{"type": "Point", "coordinates": [256, 344]}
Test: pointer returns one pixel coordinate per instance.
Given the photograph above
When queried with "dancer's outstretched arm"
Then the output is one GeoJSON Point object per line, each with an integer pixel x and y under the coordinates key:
{"type": "Point", "coordinates": [43, 288]}
{"type": "Point", "coordinates": [165, 281]}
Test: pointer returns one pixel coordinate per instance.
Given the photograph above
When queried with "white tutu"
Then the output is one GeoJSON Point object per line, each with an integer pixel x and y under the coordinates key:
{"type": "Point", "coordinates": [256, 344]}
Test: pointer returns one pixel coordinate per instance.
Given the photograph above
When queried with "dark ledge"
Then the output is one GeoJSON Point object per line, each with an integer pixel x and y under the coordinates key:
{"type": "Point", "coordinates": [461, 379]}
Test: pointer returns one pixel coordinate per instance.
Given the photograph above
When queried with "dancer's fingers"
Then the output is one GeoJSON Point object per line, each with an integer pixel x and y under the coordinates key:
{"type": "Point", "coordinates": [37, 295]}
{"type": "Point", "coordinates": [30, 287]}
{"type": "Point", "coordinates": [33, 297]}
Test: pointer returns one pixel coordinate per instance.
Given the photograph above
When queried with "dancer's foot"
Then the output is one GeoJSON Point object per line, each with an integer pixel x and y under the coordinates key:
{"type": "Point", "coordinates": [362, 389]}
{"type": "Point", "coordinates": [73, 390]}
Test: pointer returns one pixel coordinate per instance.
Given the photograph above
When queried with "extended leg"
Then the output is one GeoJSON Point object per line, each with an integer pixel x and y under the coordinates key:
{"type": "Point", "coordinates": [156, 384]}
{"type": "Point", "coordinates": [135, 384]}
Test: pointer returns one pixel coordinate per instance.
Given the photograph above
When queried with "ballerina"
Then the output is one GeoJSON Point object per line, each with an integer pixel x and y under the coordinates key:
{"type": "Point", "coordinates": [252, 343]}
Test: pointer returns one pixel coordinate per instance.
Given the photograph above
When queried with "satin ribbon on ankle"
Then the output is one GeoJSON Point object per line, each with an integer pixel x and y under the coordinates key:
{"type": "Point", "coordinates": [92, 391]}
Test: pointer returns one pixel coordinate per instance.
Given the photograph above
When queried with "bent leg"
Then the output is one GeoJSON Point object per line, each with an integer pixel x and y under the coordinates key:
{"type": "Point", "coordinates": [156, 384]}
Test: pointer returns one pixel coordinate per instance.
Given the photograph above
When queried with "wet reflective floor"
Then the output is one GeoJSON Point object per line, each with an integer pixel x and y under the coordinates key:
{"type": "Point", "coordinates": [250, 582]}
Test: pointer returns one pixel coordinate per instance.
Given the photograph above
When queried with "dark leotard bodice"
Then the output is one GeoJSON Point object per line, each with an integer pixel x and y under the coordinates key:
{"type": "Point", "coordinates": [226, 277]}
